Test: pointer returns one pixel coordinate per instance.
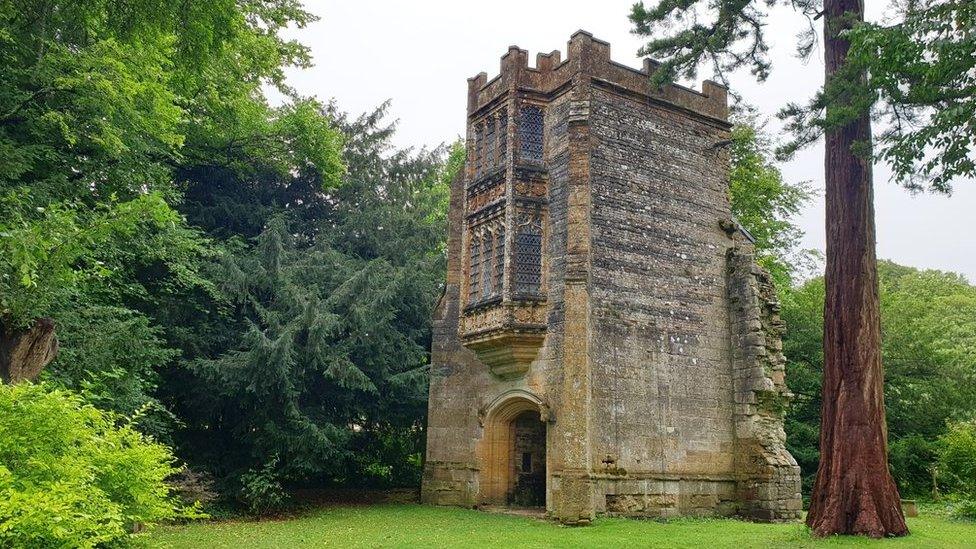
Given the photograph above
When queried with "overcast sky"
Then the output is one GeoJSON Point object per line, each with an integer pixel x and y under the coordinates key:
{"type": "Point", "coordinates": [419, 54]}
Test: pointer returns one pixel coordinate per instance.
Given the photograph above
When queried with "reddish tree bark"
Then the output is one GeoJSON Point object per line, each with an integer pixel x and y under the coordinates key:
{"type": "Point", "coordinates": [854, 492]}
{"type": "Point", "coordinates": [24, 353]}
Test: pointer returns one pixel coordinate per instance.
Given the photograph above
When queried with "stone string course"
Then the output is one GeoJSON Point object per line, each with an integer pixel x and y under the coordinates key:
{"type": "Point", "coordinates": [660, 374]}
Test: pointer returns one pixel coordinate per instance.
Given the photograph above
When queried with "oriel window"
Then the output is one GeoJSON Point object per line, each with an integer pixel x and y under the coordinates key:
{"type": "Point", "coordinates": [474, 276]}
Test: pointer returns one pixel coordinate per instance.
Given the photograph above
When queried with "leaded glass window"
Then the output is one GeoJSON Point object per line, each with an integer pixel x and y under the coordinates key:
{"type": "Point", "coordinates": [530, 134]}
{"type": "Point", "coordinates": [502, 137]}
{"type": "Point", "coordinates": [474, 268]}
{"type": "Point", "coordinates": [499, 273]}
{"type": "Point", "coordinates": [486, 270]}
{"type": "Point", "coordinates": [479, 147]}
{"type": "Point", "coordinates": [490, 145]}
{"type": "Point", "coordinates": [528, 259]}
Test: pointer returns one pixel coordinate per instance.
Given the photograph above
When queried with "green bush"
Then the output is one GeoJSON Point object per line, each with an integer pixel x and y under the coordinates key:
{"type": "Point", "coordinates": [957, 468]}
{"type": "Point", "coordinates": [261, 489]}
{"type": "Point", "coordinates": [71, 477]}
{"type": "Point", "coordinates": [911, 459]}
{"type": "Point", "coordinates": [962, 508]}
{"type": "Point", "coordinates": [957, 458]}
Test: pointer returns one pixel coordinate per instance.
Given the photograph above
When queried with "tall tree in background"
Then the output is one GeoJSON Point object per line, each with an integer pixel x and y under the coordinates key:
{"type": "Point", "coordinates": [854, 491]}
{"type": "Point", "coordinates": [919, 70]}
{"type": "Point", "coordinates": [765, 204]}
{"type": "Point", "coordinates": [113, 116]}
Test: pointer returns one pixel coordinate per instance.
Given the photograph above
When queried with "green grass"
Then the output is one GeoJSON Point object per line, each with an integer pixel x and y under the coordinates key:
{"type": "Point", "coordinates": [422, 526]}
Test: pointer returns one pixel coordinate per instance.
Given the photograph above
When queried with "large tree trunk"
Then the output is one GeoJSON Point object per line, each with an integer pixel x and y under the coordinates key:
{"type": "Point", "coordinates": [25, 352]}
{"type": "Point", "coordinates": [854, 492]}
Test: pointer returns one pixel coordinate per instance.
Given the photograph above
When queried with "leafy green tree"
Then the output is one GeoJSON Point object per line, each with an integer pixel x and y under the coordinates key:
{"type": "Point", "coordinates": [104, 108]}
{"type": "Point", "coordinates": [928, 347]}
{"type": "Point", "coordinates": [764, 203]}
{"type": "Point", "coordinates": [47, 255]}
{"type": "Point", "coordinates": [919, 73]}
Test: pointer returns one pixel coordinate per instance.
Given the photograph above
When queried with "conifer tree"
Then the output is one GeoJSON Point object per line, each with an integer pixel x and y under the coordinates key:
{"type": "Point", "coordinates": [918, 70]}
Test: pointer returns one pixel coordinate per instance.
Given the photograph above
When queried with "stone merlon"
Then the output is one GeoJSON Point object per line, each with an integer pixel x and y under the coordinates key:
{"type": "Point", "coordinates": [589, 57]}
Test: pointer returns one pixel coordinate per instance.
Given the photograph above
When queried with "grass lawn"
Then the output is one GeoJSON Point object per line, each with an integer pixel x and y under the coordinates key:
{"type": "Point", "coordinates": [411, 525]}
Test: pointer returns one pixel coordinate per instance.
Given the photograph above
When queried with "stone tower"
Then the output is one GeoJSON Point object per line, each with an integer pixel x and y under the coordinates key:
{"type": "Point", "coordinates": [606, 343]}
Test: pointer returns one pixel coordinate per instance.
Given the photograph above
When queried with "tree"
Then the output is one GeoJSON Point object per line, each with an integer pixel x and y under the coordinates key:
{"type": "Point", "coordinates": [854, 493]}
{"type": "Point", "coordinates": [104, 108]}
{"type": "Point", "coordinates": [46, 256]}
{"type": "Point", "coordinates": [764, 203]}
{"type": "Point", "coordinates": [929, 349]}
{"type": "Point", "coordinates": [919, 79]}
{"type": "Point", "coordinates": [318, 373]}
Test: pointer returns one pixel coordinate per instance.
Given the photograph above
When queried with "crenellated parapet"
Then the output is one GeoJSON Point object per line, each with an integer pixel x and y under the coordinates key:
{"type": "Point", "coordinates": [588, 57]}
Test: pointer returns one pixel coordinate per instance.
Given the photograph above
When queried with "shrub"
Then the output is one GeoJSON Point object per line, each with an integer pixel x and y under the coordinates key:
{"type": "Point", "coordinates": [71, 477]}
{"type": "Point", "coordinates": [957, 467]}
{"type": "Point", "coordinates": [912, 458]}
{"type": "Point", "coordinates": [962, 508]}
{"type": "Point", "coordinates": [957, 458]}
{"type": "Point", "coordinates": [261, 489]}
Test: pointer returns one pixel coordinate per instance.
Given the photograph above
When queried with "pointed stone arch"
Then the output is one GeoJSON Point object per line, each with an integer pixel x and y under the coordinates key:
{"type": "Point", "coordinates": [497, 446]}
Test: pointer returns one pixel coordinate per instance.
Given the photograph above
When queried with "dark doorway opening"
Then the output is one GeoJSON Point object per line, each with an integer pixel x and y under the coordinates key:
{"type": "Point", "coordinates": [529, 460]}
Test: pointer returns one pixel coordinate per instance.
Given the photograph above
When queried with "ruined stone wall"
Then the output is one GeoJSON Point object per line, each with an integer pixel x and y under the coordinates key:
{"type": "Point", "coordinates": [456, 377]}
{"type": "Point", "coordinates": [768, 477]}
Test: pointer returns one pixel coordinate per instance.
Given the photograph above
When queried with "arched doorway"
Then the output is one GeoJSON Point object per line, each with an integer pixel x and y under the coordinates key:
{"type": "Point", "coordinates": [513, 452]}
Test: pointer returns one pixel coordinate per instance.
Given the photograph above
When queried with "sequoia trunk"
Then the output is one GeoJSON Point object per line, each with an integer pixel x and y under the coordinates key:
{"type": "Point", "coordinates": [25, 352]}
{"type": "Point", "coordinates": [854, 492]}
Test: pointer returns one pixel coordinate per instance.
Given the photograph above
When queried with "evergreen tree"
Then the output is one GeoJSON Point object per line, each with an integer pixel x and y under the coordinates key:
{"type": "Point", "coordinates": [918, 70]}
{"type": "Point", "coordinates": [322, 377]}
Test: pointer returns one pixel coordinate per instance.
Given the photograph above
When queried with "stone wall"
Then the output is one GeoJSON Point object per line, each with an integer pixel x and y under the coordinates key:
{"type": "Point", "coordinates": [768, 476]}
{"type": "Point", "coordinates": [659, 378]}
{"type": "Point", "coordinates": [662, 395]}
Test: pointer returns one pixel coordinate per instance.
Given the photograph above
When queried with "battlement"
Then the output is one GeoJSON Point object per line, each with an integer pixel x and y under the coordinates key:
{"type": "Point", "coordinates": [588, 59]}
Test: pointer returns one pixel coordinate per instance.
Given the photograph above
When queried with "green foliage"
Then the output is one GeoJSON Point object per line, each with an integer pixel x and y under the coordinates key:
{"type": "Point", "coordinates": [111, 356]}
{"type": "Point", "coordinates": [764, 203]}
{"type": "Point", "coordinates": [957, 458]}
{"type": "Point", "coordinates": [107, 112]}
{"type": "Point", "coordinates": [963, 509]}
{"type": "Point", "coordinates": [957, 468]}
{"type": "Point", "coordinates": [71, 477]}
{"type": "Point", "coordinates": [915, 73]}
{"type": "Point", "coordinates": [261, 491]}
{"type": "Point", "coordinates": [928, 352]}
{"type": "Point", "coordinates": [46, 253]}
{"type": "Point", "coordinates": [318, 373]}
{"type": "Point", "coordinates": [922, 74]}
